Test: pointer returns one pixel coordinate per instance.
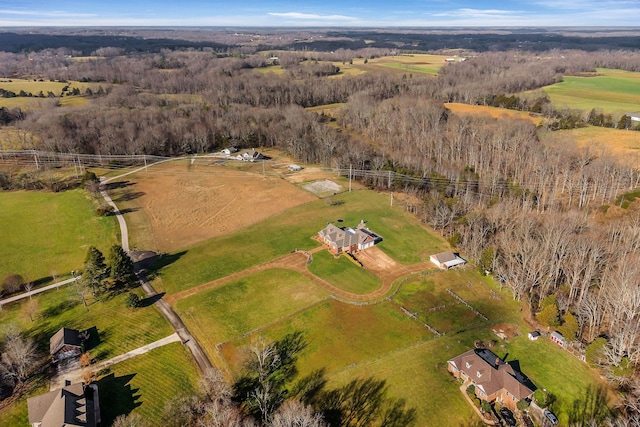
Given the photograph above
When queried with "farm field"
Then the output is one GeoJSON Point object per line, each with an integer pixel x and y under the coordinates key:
{"type": "Point", "coordinates": [610, 91]}
{"type": "Point", "coordinates": [419, 63]}
{"type": "Point", "coordinates": [176, 205]}
{"type": "Point", "coordinates": [16, 139]}
{"type": "Point", "coordinates": [618, 142]}
{"type": "Point", "coordinates": [405, 240]}
{"type": "Point", "coordinates": [35, 87]}
{"type": "Point", "coordinates": [54, 229]}
{"type": "Point", "coordinates": [495, 112]}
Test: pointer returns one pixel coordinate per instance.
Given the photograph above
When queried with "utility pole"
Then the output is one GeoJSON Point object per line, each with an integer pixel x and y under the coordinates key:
{"type": "Point", "coordinates": [349, 178]}
{"type": "Point", "coordinates": [391, 199]}
{"type": "Point", "coordinates": [145, 163]}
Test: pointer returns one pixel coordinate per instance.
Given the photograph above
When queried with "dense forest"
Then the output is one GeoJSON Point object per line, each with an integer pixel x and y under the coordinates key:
{"type": "Point", "coordinates": [532, 215]}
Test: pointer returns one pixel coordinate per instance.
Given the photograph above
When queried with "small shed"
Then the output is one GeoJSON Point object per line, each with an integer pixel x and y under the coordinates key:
{"type": "Point", "coordinates": [65, 344]}
{"type": "Point", "coordinates": [533, 335]}
{"type": "Point", "coordinates": [557, 338]}
{"type": "Point", "coordinates": [447, 260]}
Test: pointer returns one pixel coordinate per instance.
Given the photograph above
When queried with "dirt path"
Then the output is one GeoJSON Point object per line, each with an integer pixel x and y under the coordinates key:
{"type": "Point", "coordinates": [297, 261]}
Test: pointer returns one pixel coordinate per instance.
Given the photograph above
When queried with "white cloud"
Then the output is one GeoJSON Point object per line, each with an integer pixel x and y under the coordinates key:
{"type": "Point", "coordinates": [49, 13]}
{"type": "Point", "coordinates": [313, 16]}
{"type": "Point", "coordinates": [476, 13]}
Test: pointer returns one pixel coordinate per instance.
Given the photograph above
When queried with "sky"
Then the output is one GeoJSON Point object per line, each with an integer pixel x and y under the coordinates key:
{"type": "Point", "coordinates": [323, 13]}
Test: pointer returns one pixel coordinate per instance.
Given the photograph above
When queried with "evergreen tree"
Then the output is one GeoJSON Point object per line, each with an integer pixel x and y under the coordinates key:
{"type": "Point", "coordinates": [121, 267]}
{"type": "Point", "coordinates": [95, 270]}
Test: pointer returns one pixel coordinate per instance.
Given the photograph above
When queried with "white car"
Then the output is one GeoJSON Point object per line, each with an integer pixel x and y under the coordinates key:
{"type": "Point", "coordinates": [551, 417]}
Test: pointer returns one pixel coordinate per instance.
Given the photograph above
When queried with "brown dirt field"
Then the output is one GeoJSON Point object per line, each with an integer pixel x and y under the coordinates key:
{"type": "Point", "coordinates": [494, 112]}
{"type": "Point", "coordinates": [186, 206]}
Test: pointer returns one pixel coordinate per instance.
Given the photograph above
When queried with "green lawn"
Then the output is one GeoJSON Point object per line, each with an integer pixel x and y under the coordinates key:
{"type": "Point", "coordinates": [341, 334]}
{"type": "Point", "coordinates": [49, 233]}
{"type": "Point", "coordinates": [243, 305]}
{"type": "Point", "coordinates": [120, 329]}
{"type": "Point", "coordinates": [431, 69]}
{"type": "Point", "coordinates": [405, 239]}
{"type": "Point", "coordinates": [145, 383]}
{"type": "Point", "coordinates": [17, 414]}
{"type": "Point", "coordinates": [611, 91]}
{"type": "Point", "coordinates": [343, 273]}
{"type": "Point", "coordinates": [555, 369]}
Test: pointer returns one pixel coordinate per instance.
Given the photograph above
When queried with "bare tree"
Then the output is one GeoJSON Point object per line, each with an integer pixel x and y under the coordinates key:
{"type": "Point", "coordinates": [18, 354]}
{"type": "Point", "coordinates": [294, 414]}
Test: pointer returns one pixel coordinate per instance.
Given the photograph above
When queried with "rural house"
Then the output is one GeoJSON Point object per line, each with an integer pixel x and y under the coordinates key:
{"type": "Point", "coordinates": [446, 260]}
{"type": "Point", "coordinates": [347, 239]}
{"type": "Point", "coordinates": [65, 344]}
{"type": "Point", "coordinates": [228, 151]}
{"type": "Point", "coordinates": [493, 378]}
{"type": "Point", "coordinates": [250, 156]}
{"type": "Point", "coordinates": [75, 405]}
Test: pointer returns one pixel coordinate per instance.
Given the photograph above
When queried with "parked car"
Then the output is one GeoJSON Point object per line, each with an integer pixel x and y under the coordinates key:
{"type": "Point", "coordinates": [507, 416]}
{"type": "Point", "coordinates": [551, 417]}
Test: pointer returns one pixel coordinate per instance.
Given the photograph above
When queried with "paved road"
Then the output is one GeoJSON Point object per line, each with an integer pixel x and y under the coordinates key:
{"type": "Point", "coordinates": [35, 291]}
{"type": "Point", "coordinates": [200, 357]}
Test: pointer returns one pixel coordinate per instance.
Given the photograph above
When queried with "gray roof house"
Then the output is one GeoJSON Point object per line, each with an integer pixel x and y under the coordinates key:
{"type": "Point", "coordinates": [347, 239]}
{"type": "Point", "coordinates": [75, 405]}
{"type": "Point", "coordinates": [64, 344]}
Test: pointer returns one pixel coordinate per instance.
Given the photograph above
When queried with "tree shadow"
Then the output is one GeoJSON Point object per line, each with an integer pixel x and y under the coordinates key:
{"type": "Point", "coordinates": [117, 397]}
{"type": "Point", "coordinates": [128, 210]}
{"type": "Point", "coordinates": [42, 281]}
{"type": "Point", "coordinates": [118, 184]}
{"type": "Point", "coordinates": [146, 302]}
{"type": "Point", "coordinates": [129, 195]}
{"type": "Point", "coordinates": [92, 339]}
{"type": "Point", "coordinates": [153, 266]}
{"type": "Point", "coordinates": [58, 309]}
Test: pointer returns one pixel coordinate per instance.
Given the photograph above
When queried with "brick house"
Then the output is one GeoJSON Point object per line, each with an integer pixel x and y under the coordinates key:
{"type": "Point", "coordinates": [347, 239]}
{"type": "Point", "coordinates": [494, 379]}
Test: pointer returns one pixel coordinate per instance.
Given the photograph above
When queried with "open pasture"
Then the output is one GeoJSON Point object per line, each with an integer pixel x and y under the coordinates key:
{"type": "Point", "coordinates": [606, 141]}
{"type": "Point", "coordinates": [610, 91]}
{"type": "Point", "coordinates": [404, 239]}
{"type": "Point", "coordinates": [40, 91]}
{"type": "Point", "coordinates": [495, 112]}
{"type": "Point", "coordinates": [427, 297]}
{"type": "Point", "coordinates": [339, 335]}
{"type": "Point", "coordinates": [12, 138]}
{"type": "Point", "coordinates": [49, 233]}
{"type": "Point", "coordinates": [242, 305]}
{"type": "Point", "coordinates": [179, 204]}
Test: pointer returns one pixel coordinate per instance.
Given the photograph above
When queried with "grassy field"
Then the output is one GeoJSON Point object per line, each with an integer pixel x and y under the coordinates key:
{"type": "Point", "coordinates": [35, 87]}
{"type": "Point", "coordinates": [405, 240]}
{"type": "Point", "coordinates": [611, 91]}
{"type": "Point", "coordinates": [618, 142]}
{"type": "Point", "coordinates": [144, 384]}
{"type": "Point", "coordinates": [420, 63]}
{"type": "Point", "coordinates": [344, 274]}
{"type": "Point", "coordinates": [243, 305]}
{"type": "Point", "coordinates": [44, 233]}
{"type": "Point", "coordinates": [16, 139]}
{"type": "Point", "coordinates": [494, 112]}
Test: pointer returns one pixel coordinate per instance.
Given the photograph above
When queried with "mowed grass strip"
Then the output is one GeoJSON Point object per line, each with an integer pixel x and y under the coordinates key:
{"type": "Point", "coordinates": [339, 335]}
{"type": "Point", "coordinates": [145, 384]}
{"type": "Point", "coordinates": [43, 232]}
{"type": "Point", "coordinates": [405, 239]}
{"type": "Point", "coordinates": [344, 274]}
{"type": "Point", "coordinates": [243, 305]}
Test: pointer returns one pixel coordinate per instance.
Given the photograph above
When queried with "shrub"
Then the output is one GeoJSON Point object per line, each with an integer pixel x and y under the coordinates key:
{"type": "Point", "coordinates": [133, 301]}
{"type": "Point", "coordinates": [12, 283]}
{"type": "Point", "coordinates": [593, 352]}
{"type": "Point", "coordinates": [522, 405]}
{"type": "Point", "coordinates": [105, 210]}
{"type": "Point", "coordinates": [485, 406]}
